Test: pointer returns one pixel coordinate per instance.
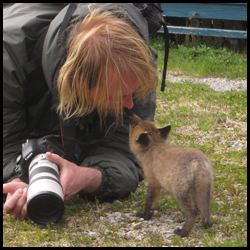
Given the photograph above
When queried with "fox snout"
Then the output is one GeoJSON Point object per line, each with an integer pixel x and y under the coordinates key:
{"type": "Point", "coordinates": [131, 119]}
{"type": "Point", "coordinates": [128, 111]}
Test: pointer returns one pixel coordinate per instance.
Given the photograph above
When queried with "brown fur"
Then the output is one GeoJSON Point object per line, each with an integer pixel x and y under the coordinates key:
{"type": "Point", "coordinates": [185, 173]}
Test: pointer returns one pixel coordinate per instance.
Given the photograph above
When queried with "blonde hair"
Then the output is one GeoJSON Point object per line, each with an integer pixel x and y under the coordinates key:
{"type": "Point", "coordinates": [99, 43]}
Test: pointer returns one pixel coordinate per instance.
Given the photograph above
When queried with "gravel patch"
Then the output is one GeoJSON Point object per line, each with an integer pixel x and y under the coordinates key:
{"type": "Point", "coordinates": [218, 84]}
{"type": "Point", "coordinates": [127, 227]}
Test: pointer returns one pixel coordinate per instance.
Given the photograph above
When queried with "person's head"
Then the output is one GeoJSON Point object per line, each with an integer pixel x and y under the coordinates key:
{"type": "Point", "coordinates": [106, 62]}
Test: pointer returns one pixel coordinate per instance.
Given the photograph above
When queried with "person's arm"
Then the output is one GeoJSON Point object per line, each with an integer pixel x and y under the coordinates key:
{"type": "Point", "coordinates": [22, 26]}
{"type": "Point", "coordinates": [74, 178]}
{"type": "Point", "coordinates": [14, 114]}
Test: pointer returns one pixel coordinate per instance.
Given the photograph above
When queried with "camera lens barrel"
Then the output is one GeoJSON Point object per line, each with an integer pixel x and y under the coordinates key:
{"type": "Point", "coordinates": [45, 193]}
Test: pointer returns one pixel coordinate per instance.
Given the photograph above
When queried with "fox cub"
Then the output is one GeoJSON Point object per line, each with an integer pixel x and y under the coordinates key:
{"type": "Point", "coordinates": [185, 173]}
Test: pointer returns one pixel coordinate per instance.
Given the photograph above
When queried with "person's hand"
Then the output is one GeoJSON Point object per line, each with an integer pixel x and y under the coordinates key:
{"type": "Point", "coordinates": [16, 201]}
{"type": "Point", "coordinates": [74, 178]}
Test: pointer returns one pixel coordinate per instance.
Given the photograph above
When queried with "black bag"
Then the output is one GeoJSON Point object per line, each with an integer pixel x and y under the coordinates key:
{"type": "Point", "coordinates": [153, 13]}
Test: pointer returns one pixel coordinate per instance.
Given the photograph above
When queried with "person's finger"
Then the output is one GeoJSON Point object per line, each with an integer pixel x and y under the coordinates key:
{"type": "Point", "coordinates": [17, 211]}
{"type": "Point", "coordinates": [55, 159]}
{"type": "Point", "coordinates": [24, 213]}
{"type": "Point", "coordinates": [60, 162]}
{"type": "Point", "coordinates": [9, 188]}
{"type": "Point", "coordinates": [12, 187]}
{"type": "Point", "coordinates": [11, 202]}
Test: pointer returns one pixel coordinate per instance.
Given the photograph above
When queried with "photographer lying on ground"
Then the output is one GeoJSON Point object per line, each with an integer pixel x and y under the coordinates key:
{"type": "Point", "coordinates": [102, 65]}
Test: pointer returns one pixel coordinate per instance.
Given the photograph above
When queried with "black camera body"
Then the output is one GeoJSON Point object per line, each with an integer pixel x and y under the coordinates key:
{"type": "Point", "coordinates": [45, 198]}
{"type": "Point", "coordinates": [33, 147]}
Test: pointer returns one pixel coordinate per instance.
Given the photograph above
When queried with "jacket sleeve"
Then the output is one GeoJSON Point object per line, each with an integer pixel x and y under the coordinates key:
{"type": "Point", "coordinates": [22, 25]}
{"type": "Point", "coordinates": [121, 172]}
{"type": "Point", "coordinates": [14, 112]}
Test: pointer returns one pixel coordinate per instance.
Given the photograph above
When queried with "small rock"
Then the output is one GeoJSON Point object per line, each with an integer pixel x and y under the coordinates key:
{"type": "Point", "coordinates": [117, 214]}
{"type": "Point", "coordinates": [117, 201]}
{"type": "Point", "coordinates": [129, 234]}
{"type": "Point", "coordinates": [92, 234]}
{"type": "Point", "coordinates": [138, 238]}
{"type": "Point", "coordinates": [112, 221]}
{"type": "Point", "coordinates": [136, 225]}
{"type": "Point", "coordinates": [70, 224]}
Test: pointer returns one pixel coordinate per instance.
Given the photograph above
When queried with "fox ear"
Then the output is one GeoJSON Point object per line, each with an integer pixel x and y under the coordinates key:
{"type": "Point", "coordinates": [143, 139]}
{"type": "Point", "coordinates": [165, 131]}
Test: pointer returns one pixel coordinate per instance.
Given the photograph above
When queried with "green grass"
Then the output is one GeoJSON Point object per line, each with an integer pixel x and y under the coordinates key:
{"type": "Point", "coordinates": [201, 118]}
{"type": "Point", "coordinates": [200, 60]}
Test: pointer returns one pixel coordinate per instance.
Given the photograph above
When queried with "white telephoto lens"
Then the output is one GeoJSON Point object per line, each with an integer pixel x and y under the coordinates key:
{"type": "Point", "coordinates": [45, 193]}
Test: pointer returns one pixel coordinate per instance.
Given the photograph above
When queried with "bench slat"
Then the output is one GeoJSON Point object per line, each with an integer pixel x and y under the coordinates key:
{"type": "Point", "coordinates": [240, 34]}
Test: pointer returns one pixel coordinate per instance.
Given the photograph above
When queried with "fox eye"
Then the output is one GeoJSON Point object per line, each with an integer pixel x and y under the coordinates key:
{"type": "Point", "coordinates": [134, 125]}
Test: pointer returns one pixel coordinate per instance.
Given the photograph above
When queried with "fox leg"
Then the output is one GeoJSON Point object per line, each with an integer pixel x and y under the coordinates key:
{"type": "Point", "coordinates": [189, 205]}
{"type": "Point", "coordinates": [206, 223]}
{"type": "Point", "coordinates": [153, 194]}
{"type": "Point", "coordinates": [204, 194]}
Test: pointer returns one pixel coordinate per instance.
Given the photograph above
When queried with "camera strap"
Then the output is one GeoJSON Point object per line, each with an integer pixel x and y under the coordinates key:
{"type": "Point", "coordinates": [68, 130]}
{"type": "Point", "coordinates": [68, 137]}
{"type": "Point", "coordinates": [166, 37]}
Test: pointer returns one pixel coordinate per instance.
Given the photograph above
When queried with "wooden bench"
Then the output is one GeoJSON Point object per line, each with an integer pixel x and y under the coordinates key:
{"type": "Point", "coordinates": [213, 11]}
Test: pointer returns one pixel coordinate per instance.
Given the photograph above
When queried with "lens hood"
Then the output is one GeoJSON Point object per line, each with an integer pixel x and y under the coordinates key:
{"type": "Point", "coordinates": [45, 207]}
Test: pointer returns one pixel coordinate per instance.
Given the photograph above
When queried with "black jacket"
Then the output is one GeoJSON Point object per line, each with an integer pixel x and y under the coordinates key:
{"type": "Point", "coordinates": [23, 118]}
